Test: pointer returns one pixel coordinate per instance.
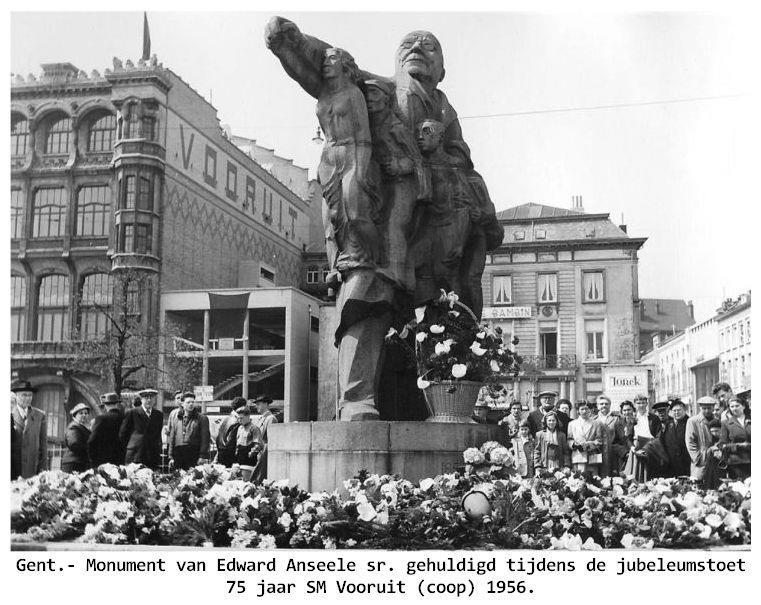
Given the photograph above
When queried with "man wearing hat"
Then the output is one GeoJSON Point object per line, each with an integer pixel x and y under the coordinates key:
{"type": "Point", "coordinates": [263, 422]}
{"type": "Point", "coordinates": [140, 432]}
{"type": "Point", "coordinates": [661, 409]}
{"type": "Point", "coordinates": [76, 460]}
{"type": "Point", "coordinates": [29, 446]}
{"type": "Point", "coordinates": [188, 434]}
{"type": "Point", "coordinates": [698, 436]}
{"type": "Point", "coordinates": [546, 403]}
{"type": "Point", "coordinates": [673, 439]}
{"type": "Point", "coordinates": [224, 451]}
{"type": "Point", "coordinates": [104, 446]}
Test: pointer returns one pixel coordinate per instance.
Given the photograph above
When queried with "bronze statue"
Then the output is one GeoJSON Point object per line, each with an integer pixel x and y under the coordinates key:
{"type": "Point", "coordinates": [382, 209]}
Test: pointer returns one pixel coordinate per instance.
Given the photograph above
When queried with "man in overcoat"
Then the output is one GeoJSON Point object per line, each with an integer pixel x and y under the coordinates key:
{"type": "Point", "coordinates": [104, 446]}
{"type": "Point", "coordinates": [698, 437]}
{"type": "Point", "coordinates": [674, 442]}
{"type": "Point", "coordinates": [29, 445]}
{"type": "Point", "coordinates": [140, 432]}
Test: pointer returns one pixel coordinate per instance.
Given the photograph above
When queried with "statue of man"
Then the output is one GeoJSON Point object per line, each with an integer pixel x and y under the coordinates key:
{"type": "Point", "coordinates": [367, 293]}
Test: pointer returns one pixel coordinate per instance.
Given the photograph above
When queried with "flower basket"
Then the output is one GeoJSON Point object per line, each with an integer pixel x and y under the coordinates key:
{"type": "Point", "coordinates": [452, 401]}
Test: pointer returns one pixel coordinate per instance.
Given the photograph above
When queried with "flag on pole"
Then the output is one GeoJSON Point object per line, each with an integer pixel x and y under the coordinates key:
{"type": "Point", "coordinates": [146, 39]}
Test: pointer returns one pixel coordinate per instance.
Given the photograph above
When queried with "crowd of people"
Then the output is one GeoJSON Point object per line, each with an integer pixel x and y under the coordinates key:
{"type": "Point", "coordinates": [137, 433]}
{"type": "Point", "coordinates": [640, 440]}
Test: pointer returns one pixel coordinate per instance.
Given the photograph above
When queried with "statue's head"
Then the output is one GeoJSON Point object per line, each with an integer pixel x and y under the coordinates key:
{"type": "Point", "coordinates": [378, 95]}
{"type": "Point", "coordinates": [419, 55]}
{"type": "Point", "coordinates": [429, 135]}
{"type": "Point", "coordinates": [339, 62]}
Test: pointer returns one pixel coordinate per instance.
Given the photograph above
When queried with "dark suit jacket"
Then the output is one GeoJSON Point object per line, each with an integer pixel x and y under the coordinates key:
{"type": "Point", "coordinates": [623, 440]}
{"type": "Point", "coordinates": [675, 445]}
{"type": "Point", "coordinates": [76, 460]}
{"type": "Point", "coordinates": [141, 437]}
{"type": "Point", "coordinates": [104, 446]}
{"type": "Point", "coordinates": [535, 422]}
{"type": "Point", "coordinates": [735, 440]}
{"type": "Point", "coordinates": [30, 447]}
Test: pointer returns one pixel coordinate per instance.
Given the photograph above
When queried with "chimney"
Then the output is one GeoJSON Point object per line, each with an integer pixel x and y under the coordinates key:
{"type": "Point", "coordinates": [622, 226]}
{"type": "Point", "coordinates": [576, 204]}
{"type": "Point", "coordinates": [691, 310]}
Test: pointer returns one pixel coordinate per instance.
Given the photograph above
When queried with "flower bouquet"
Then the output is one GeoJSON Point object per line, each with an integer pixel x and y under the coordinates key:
{"type": "Point", "coordinates": [454, 356]}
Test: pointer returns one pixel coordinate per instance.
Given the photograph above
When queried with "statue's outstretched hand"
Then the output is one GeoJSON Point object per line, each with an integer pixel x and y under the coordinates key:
{"type": "Point", "coordinates": [279, 30]}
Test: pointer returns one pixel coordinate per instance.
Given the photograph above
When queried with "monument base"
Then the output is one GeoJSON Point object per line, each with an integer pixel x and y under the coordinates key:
{"type": "Point", "coordinates": [320, 456]}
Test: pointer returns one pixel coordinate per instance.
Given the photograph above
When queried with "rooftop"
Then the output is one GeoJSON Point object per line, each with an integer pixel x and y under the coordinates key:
{"type": "Point", "coordinates": [665, 315]}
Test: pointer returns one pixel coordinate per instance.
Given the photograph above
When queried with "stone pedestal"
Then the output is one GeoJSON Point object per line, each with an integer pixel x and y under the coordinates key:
{"type": "Point", "coordinates": [322, 455]}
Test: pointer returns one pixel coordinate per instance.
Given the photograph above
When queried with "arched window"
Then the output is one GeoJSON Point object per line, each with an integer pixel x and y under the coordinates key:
{"type": "Point", "coordinates": [17, 213]}
{"type": "Point", "coordinates": [58, 137]}
{"type": "Point", "coordinates": [49, 212]}
{"type": "Point", "coordinates": [19, 136]}
{"type": "Point", "coordinates": [93, 210]}
{"type": "Point", "coordinates": [53, 308]}
{"type": "Point", "coordinates": [102, 134]}
{"type": "Point", "coordinates": [313, 274]}
{"type": "Point", "coordinates": [96, 296]}
{"type": "Point", "coordinates": [18, 308]}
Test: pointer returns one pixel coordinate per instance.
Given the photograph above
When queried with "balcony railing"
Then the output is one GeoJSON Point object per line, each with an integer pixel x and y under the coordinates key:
{"type": "Point", "coordinates": [539, 363]}
{"type": "Point", "coordinates": [60, 349]}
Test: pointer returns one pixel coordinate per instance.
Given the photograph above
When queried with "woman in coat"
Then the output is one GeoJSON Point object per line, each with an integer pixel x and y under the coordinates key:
{"type": "Point", "coordinates": [585, 440]}
{"type": "Point", "coordinates": [523, 450]}
{"type": "Point", "coordinates": [734, 441]}
{"type": "Point", "coordinates": [76, 460]}
{"type": "Point", "coordinates": [551, 451]}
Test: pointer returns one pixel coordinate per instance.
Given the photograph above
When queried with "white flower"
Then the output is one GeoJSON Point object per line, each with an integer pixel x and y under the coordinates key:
{"type": "Point", "coordinates": [366, 511]}
{"type": "Point", "coordinates": [733, 522]}
{"type": "Point", "coordinates": [473, 455]}
{"type": "Point", "coordinates": [494, 365]}
{"type": "Point", "coordinates": [441, 348]}
{"type": "Point", "coordinates": [421, 336]}
{"type": "Point", "coordinates": [590, 544]}
{"type": "Point", "coordinates": [477, 349]}
{"type": "Point", "coordinates": [713, 520]}
{"type": "Point", "coordinates": [351, 542]}
{"type": "Point", "coordinates": [422, 383]}
{"type": "Point", "coordinates": [436, 329]}
{"type": "Point", "coordinates": [500, 455]}
{"type": "Point", "coordinates": [267, 542]}
{"type": "Point", "coordinates": [285, 520]}
{"type": "Point", "coordinates": [481, 335]}
{"type": "Point", "coordinates": [459, 370]}
{"type": "Point", "coordinates": [391, 332]}
{"type": "Point", "coordinates": [419, 314]}
{"type": "Point", "coordinates": [328, 543]}
{"type": "Point", "coordinates": [427, 483]}
{"type": "Point", "coordinates": [281, 483]}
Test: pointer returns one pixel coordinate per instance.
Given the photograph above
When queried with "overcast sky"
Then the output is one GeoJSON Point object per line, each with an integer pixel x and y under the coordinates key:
{"type": "Point", "coordinates": [669, 160]}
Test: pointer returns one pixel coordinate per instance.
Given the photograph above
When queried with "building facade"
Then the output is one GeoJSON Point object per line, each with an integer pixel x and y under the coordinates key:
{"type": "Point", "coordinates": [565, 284]}
{"type": "Point", "coordinates": [663, 317]}
{"type": "Point", "coordinates": [130, 171]}
{"type": "Point", "coordinates": [688, 364]}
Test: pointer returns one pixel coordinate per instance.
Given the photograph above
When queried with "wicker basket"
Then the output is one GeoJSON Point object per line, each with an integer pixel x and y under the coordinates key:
{"type": "Point", "coordinates": [451, 401]}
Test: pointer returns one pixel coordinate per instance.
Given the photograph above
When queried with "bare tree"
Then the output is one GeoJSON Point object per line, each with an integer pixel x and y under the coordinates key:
{"type": "Point", "coordinates": [125, 345]}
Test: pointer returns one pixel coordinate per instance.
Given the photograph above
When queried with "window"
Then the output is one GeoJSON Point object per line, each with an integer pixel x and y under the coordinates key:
{"type": "Point", "coordinates": [231, 186]}
{"type": "Point", "coordinates": [49, 212]}
{"type": "Point", "coordinates": [280, 215]}
{"type": "Point", "coordinates": [102, 134]}
{"type": "Point", "coordinates": [129, 192]}
{"type": "Point", "coordinates": [519, 235]}
{"type": "Point", "coordinates": [540, 234]}
{"type": "Point", "coordinates": [17, 213]}
{"type": "Point", "coordinates": [144, 197]}
{"type": "Point", "coordinates": [507, 328]}
{"type": "Point", "coordinates": [53, 308]}
{"type": "Point", "coordinates": [50, 399]}
{"type": "Point", "coordinates": [93, 210]}
{"type": "Point", "coordinates": [548, 287]}
{"type": "Point", "coordinates": [250, 199]}
{"type": "Point", "coordinates": [325, 273]}
{"type": "Point", "coordinates": [143, 239]}
{"type": "Point", "coordinates": [128, 238]}
{"type": "Point", "coordinates": [313, 274]}
{"type": "Point", "coordinates": [594, 290]}
{"type": "Point", "coordinates": [595, 336]}
{"type": "Point", "coordinates": [210, 167]}
{"type": "Point", "coordinates": [502, 289]}
{"type": "Point", "coordinates": [267, 275]}
{"type": "Point", "coordinates": [742, 333]}
{"type": "Point", "coordinates": [131, 122]}
{"type": "Point", "coordinates": [294, 215]}
{"type": "Point", "coordinates": [19, 137]}
{"type": "Point", "coordinates": [57, 140]}
{"type": "Point", "coordinates": [95, 301]}
{"type": "Point", "coordinates": [18, 308]}
{"type": "Point", "coordinates": [149, 129]}
{"type": "Point", "coordinates": [133, 298]}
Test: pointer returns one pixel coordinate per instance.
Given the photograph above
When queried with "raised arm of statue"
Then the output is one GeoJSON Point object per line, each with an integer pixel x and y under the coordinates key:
{"type": "Point", "coordinates": [300, 55]}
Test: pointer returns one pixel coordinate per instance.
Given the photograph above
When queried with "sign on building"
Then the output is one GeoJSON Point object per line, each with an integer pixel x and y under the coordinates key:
{"type": "Point", "coordinates": [204, 393]}
{"type": "Point", "coordinates": [624, 382]}
{"type": "Point", "coordinates": [507, 312]}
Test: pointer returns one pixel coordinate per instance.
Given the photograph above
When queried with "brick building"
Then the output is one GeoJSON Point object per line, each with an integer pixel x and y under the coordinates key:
{"type": "Point", "coordinates": [565, 283]}
{"type": "Point", "coordinates": [130, 169]}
